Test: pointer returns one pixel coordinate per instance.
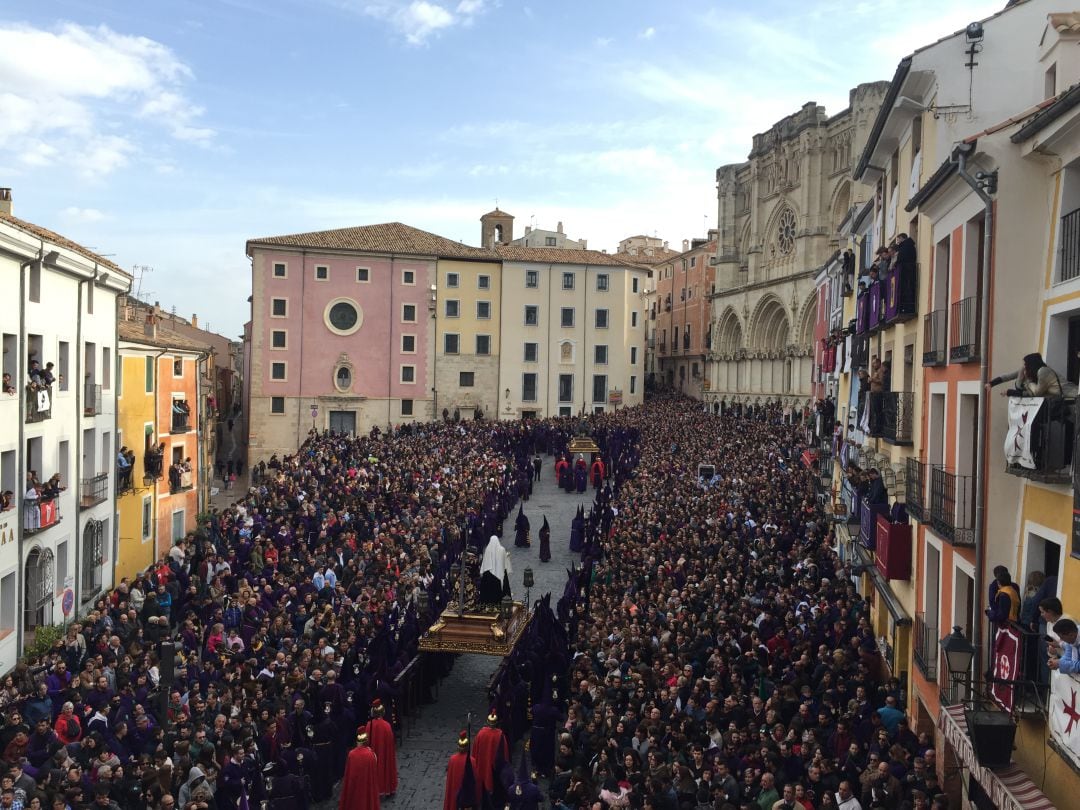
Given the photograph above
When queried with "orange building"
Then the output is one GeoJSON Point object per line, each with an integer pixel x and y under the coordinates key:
{"type": "Point", "coordinates": [681, 317]}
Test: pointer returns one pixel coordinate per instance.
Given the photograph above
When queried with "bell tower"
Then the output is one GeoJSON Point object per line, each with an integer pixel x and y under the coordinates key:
{"type": "Point", "coordinates": [496, 228]}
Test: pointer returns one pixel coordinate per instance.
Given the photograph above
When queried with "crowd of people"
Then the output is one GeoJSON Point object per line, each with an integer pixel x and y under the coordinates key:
{"type": "Point", "coordinates": [711, 650]}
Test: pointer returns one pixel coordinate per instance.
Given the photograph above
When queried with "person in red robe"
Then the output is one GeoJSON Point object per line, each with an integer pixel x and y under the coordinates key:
{"type": "Point", "coordinates": [490, 751]}
{"type": "Point", "coordinates": [381, 739]}
{"type": "Point", "coordinates": [598, 473]}
{"type": "Point", "coordinates": [455, 772]}
{"type": "Point", "coordinates": [560, 465]}
{"type": "Point", "coordinates": [360, 787]}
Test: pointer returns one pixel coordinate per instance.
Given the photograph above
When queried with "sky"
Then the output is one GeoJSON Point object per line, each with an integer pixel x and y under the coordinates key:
{"type": "Point", "coordinates": [166, 134]}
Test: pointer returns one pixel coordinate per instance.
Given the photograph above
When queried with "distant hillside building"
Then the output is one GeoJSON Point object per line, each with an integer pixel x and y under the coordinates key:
{"type": "Point", "coordinates": [540, 238]}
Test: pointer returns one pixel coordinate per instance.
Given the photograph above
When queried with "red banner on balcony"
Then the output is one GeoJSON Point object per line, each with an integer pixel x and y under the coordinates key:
{"type": "Point", "coordinates": [1006, 666]}
{"type": "Point", "coordinates": [48, 513]}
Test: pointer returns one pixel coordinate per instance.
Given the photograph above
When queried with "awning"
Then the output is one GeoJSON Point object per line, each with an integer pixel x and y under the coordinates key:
{"type": "Point", "coordinates": [1008, 788]}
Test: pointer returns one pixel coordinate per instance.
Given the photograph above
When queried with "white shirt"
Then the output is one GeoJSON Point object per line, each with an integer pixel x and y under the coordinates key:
{"type": "Point", "coordinates": [850, 804]}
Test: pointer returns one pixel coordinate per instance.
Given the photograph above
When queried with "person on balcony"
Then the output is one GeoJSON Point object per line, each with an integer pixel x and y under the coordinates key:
{"type": "Point", "coordinates": [1034, 379]}
{"type": "Point", "coordinates": [1065, 654]}
{"type": "Point", "coordinates": [31, 512]}
{"type": "Point", "coordinates": [8, 387]}
{"type": "Point", "coordinates": [123, 469]}
{"type": "Point", "coordinates": [7, 500]}
{"type": "Point", "coordinates": [1004, 598]}
{"type": "Point", "coordinates": [52, 488]}
{"type": "Point", "coordinates": [47, 376]}
{"type": "Point", "coordinates": [906, 259]}
{"type": "Point", "coordinates": [877, 394]}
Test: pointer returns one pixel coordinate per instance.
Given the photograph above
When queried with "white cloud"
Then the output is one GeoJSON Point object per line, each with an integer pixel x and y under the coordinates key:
{"type": "Point", "coordinates": [648, 33]}
{"type": "Point", "coordinates": [74, 213]}
{"type": "Point", "coordinates": [59, 109]}
{"type": "Point", "coordinates": [419, 20]}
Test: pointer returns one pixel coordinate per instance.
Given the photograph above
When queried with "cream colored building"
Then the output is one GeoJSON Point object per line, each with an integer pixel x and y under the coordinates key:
{"type": "Point", "coordinates": [779, 215]}
{"type": "Point", "coordinates": [573, 332]}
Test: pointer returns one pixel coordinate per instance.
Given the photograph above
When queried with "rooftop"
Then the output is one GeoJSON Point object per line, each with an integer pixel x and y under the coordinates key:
{"type": "Point", "coordinates": [134, 332]}
{"type": "Point", "coordinates": [60, 241]}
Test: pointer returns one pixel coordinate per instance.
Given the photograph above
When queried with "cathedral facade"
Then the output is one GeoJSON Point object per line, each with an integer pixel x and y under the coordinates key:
{"type": "Point", "coordinates": [779, 217]}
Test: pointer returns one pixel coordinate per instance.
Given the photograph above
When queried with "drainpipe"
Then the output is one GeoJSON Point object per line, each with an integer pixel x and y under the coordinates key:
{"type": "Point", "coordinates": [157, 441]}
{"type": "Point", "coordinates": [979, 185]}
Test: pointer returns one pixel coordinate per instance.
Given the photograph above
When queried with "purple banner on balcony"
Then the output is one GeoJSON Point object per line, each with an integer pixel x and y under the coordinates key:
{"type": "Point", "coordinates": [868, 513]}
{"type": "Point", "coordinates": [874, 314]}
{"type": "Point", "coordinates": [862, 306]}
{"type": "Point", "coordinates": [892, 294]}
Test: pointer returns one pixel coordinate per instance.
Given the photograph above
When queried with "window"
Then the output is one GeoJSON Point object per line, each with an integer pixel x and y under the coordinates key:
{"type": "Point", "coordinates": [408, 344]}
{"type": "Point", "coordinates": [532, 315]}
{"type": "Point", "coordinates": [633, 320]}
{"type": "Point", "coordinates": [62, 361]}
{"type": "Point", "coordinates": [277, 371]}
{"type": "Point", "coordinates": [601, 319]}
{"type": "Point", "coordinates": [483, 310]}
{"type": "Point", "coordinates": [599, 388]}
{"type": "Point", "coordinates": [453, 308]}
{"type": "Point", "coordinates": [408, 313]}
{"type": "Point", "coordinates": [343, 379]}
{"type": "Point", "coordinates": [633, 385]}
{"type": "Point", "coordinates": [408, 277]}
{"type": "Point", "coordinates": [408, 374]}
{"type": "Point", "coordinates": [633, 355]}
{"type": "Point", "coordinates": [322, 272]}
{"type": "Point", "coordinates": [406, 407]}
{"type": "Point", "coordinates": [452, 280]}
{"type": "Point", "coordinates": [568, 281]}
{"type": "Point", "coordinates": [528, 387]}
{"type": "Point", "coordinates": [483, 282]}
{"type": "Point", "coordinates": [634, 284]}
{"type": "Point", "coordinates": [279, 307]}
{"type": "Point", "coordinates": [277, 404]}
{"type": "Point", "coordinates": [465, 379]}
{"type": "Point", "coordinates": [532, 278]}
{"type": "Point", "coordinates": [601, 282]}
{"type": "Point", "coordinates": [363, 274]}
{"type": "Point", "coordinates": [483, 344]}
{"type": "Point", "coordinates": [531, 351]}
{"type": "Point", "coordinates": [277, 338]}
{"type": "Point", "coordinates": [549, 241]}
{"type": "Point", "coordinates": [451, 344]}
{"type": "Point", "coordinates": [147, 518]}
{"type": "Point", "coordinates": [149, 374]}
{"type": "Point", "coordinates": [600, 355]}
{"type": "Point", "coordinates": [280, 270]}
{"type": "Point", "coordinates": [178, 367]}
{"type": "Point", "coordinates": [686, 338]}
{"type": "Point", "coordinates": [342, 316]}
{"type": "Point", "coordinates": [106, 367]}
{"type": "Point", "coordinates": [566, 388]}
{"type": "Point", "coordinates": [693, 261]}
{"type": "Point", "coordinates": [566, 317]}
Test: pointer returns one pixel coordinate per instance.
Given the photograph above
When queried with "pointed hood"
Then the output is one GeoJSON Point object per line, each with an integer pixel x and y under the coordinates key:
{"type": "Point", "coordinates": [545, 526]}
{"type": "Point", "coordinates": [523, 769]}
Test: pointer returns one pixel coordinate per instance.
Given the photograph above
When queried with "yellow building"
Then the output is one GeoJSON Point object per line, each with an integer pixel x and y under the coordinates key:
{"type": "Point", "coordinates": [157, 404]}
{"type": "Point", "coordinates": [467, 300]}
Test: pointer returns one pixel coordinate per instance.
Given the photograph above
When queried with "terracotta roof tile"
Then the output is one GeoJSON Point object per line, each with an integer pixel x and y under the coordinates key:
{"type": "Point", "coordinates": [389, 237]}
{"type": "Point", "coordinates": [547, 255]}
{"type": "Point", "coordinates": [60, 241]}
{"type": "Point", "coordinates": [133, 332]}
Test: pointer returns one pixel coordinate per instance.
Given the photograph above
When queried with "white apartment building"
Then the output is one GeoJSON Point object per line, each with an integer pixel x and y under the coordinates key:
{"type": "Point", "coordinates": [59, 308]}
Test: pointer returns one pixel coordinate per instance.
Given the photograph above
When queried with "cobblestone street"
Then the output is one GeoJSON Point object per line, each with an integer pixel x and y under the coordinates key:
{"type": "Point", "coordinates": [427, 744]}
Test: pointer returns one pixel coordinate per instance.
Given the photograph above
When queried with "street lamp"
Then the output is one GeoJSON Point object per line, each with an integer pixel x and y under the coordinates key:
{"type": "Point", "coordinates": [959, 653]}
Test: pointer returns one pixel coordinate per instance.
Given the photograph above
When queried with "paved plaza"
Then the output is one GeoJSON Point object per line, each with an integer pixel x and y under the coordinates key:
{"type": "Point", "coordinates": [427, 743]}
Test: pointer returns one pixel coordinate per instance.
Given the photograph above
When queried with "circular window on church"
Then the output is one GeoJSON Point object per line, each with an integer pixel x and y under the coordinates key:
{"type": "Point", "coordinates": [785, 232]}
{"type": "Point", "coordinates": [343, 378]}
{"type": "Point", "coordinates": [343, 316]}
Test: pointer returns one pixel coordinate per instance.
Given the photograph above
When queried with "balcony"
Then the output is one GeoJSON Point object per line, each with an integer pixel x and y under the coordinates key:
{"type": "Point", "coordinates": [897, 415]}
{"type": "Point", "coordinates": [901, 301]}
{"type": "Point", "coordinates": [181, 481]}
{"type": "Point", "coordinates": [180, 420]}
{"type": "Point", "coordinates": [935, 325]}
{"type": "Point", "coordinates": [952, 506]}
{"type": "Point", "coordinates": [964, 331]}
{"type": "Point", "coordinates": [1052, 433]}
{"type": "Point", "coordinates": [38, 403]}
{"type": "Point", "coordinates": [650, 343]}
{"type": "Point", "coordinates": [124, 479]}
{"type": "Point", "coordinates": [39, 518]}
{"type": "Point", "coordinates": [152, 467]}
{"type": "Point", "coordinates": [925, 638]}
{"type": "Point", "coordinates": [1070, 246]}
{"type": "Point", "coordinates": [915, 489]}
{"type": "Point", "coordinates": [94, 490]}
{"type": "Point", "coordinates": [92, 400]}
{"type": "Point", "coordinates": [868, 515]}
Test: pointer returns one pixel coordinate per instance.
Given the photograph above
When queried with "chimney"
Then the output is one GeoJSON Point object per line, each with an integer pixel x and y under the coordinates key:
{"type": "Point", "coordinates": [685, 245]}
{"type": "Point", "coordinates": [150, 327]}
{"type": "Point", "coordinates": [528, 229]}
{"type": "Point", "coordinates": [194, 320]}
{"type": "Point", "coordinates": [558, 228]}
{"type": "Point", "coordinates": [585, 245]}
{"type": "Point", "coordinates": [5, 201]}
